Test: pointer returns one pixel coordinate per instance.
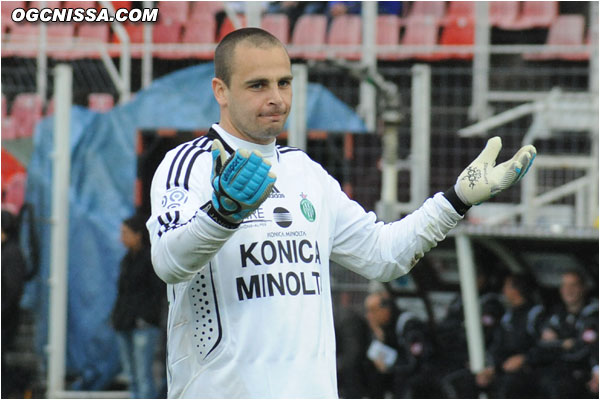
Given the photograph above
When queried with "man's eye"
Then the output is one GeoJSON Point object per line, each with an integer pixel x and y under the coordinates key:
{"type": "Point", "coordinates": [257, 86]}
{"type": "Point", "coordinates": [284, 83]}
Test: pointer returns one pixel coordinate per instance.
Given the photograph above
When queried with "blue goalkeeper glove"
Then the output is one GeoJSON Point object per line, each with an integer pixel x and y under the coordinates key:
{"type": "Point", "coordinates": [482, 179]}
{"type": "Point", "coordinates": [241, 182]}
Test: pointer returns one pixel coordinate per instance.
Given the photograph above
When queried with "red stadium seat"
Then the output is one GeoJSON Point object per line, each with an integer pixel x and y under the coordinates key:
{"type": "Point", "coordinates": [228, 27]}
{"type": "Point", "coordinates": [79, 4]}
{"type": "Point", "coordinates": [62, 34]}
{"type": "Point", "coordinates": [346, 30]}
{"type": "Point", "coordinates": [48, 4]}
{"type": "Point", "coordinates": [388, 33]}
{"type": "Point", "coordinates": [136, 36]}
{"type": "Point", "coordinates": [7, 7]}
{"type": "Point", "coordinates": [537, 14]}
{"type": "Point", "coordinates": [435, 9]}
{"type": "Point", "coordinates": [566, 30]}
{"type": "Point", "coordinates": [310, 30]}
{"type": "Point", "coordinates": [199, 31]}
{"type": "Point", "coordinates": [419, 31]}
{"type": "Point", "coordinates": [458, 10]}
{"type": "Point", "coordinates": [24, 39]}
{"type": "Point", "coordinates": [460, 31]}
{"type": "Point", "coordinates": [172, 12]}
{"type": "Point", "coordinates": [91, 34]}
{"type": "Point", "coordinates": [166, 34]}
{"type": "Point", "coordinates": [25, 113]}
{"type": "Point", "coordinates": [504, 14]}
{"type": "Point", "coordinates": [100, 102]}
{"type": "Point", "coordinates": [202, 8]}
{"type": "Point", "coordinates": [278, 25]}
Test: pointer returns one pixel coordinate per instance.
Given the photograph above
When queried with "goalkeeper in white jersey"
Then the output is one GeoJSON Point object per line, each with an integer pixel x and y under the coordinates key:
{"type": "Point", "coordinates": [243, 231]}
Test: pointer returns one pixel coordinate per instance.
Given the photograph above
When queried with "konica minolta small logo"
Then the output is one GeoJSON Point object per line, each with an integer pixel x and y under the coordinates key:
{"type": "Point", "coordinates": [282, 217]}
{"type": "Point", "coordinates": [276, 194]}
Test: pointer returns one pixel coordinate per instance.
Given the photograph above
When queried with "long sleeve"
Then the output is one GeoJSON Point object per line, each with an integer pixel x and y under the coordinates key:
{"type": "Point", "coordinates": [382, 251]}
{"type": "Point", "coordinates": [184, 238]}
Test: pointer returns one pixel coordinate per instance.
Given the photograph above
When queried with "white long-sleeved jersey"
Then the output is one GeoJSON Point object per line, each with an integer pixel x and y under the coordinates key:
{"type": "Point", "coordinates": [250, 311]}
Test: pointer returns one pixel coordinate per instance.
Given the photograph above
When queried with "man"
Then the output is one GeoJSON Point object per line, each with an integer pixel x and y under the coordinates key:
{"type": "Point", "coordinates": [510, 375]}
{"type": "Point", "coordinates": [243, 230]}
{"type": "Point", "coordinates": [569, 341]}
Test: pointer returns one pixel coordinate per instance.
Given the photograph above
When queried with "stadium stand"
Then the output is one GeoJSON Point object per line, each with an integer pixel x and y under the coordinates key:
{"type": "Point", "coordinates": [46, 4]}
{"type": "Point", "coordinates": [100, 102]}
{"type": "Point", "coordinates": [278, 25]}
{"type": "Point", "coordinates": [459, 31]}
{"type": "Point", "coordinates": [565, 30]}
{"type": "Point", "coordinates": [536, 14]}
{"type": "Point", "coordinates": [346, 30]}
{"type": "Point", "coordinates": [419, 31]}
{"type": "Point", "coordinates": [79, 4]}
{"type": "Point", "coordinates": [60, 34]}
{"type": "Point", "coordinates": [459, 10]}
{"type": "Point", "coordinates": [202, 8]}
{"type": "Point", "coordinates": [388, 33]}
{"type": "Point", "coordinates": [136, 35]}
{"type": "Point", "coordinates": [503, 14]}
{"type": "Point", "coordinates": [25, 113]}
{"type": "Point", "coordinates": [24, 38]}
{"type": "Point", "coordinates": [164, 33]}
{"type": "Point", "coordinates": [433, 8]}
{"type": "Point", "coordinates": [228, 27]}
{"type": "Point", "coordinates": [91, 34]}
{"type": "Point", "coordinates": [200, 30]}
{"type": "Point", "coordinates": [310, 30]}
{"type": "Point", "coordinates": [173, 12]}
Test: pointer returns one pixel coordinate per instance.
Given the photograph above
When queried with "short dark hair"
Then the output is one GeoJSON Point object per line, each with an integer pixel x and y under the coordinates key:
{"type": "Point", "coordinates": [225, 49]}
{"type": "Point", "coordinates": [523, 284]}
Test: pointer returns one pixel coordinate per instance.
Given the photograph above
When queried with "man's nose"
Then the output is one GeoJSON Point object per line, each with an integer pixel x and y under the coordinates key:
{"type": "Point", "coordinates": [275, 96]}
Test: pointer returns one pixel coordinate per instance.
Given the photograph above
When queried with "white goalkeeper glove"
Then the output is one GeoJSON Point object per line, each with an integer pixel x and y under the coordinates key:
{"type": "Point", "coordinates": [241, 182]}
{"type": "Point", "coordinates": [482, 179]}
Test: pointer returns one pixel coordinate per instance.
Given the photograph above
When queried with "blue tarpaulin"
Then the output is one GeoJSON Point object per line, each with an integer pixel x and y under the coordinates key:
{"type": "Point", "coordinates": [101, 195]}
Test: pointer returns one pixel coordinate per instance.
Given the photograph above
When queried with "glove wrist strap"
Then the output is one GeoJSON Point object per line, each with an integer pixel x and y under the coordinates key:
{"type": "Point", "coordinates": [456, 202]}
{"type": "Point", "coordinates": [210, 210]}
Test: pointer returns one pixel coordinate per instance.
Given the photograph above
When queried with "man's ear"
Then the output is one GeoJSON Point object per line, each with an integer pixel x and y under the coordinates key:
{"type": "Point", "coordinates": [220, 91]}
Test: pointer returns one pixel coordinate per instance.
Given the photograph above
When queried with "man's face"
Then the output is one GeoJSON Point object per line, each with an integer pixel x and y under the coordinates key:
{"type": "Point", "coordinates": [376, 314]}
{"type": "Point", "coordinates": [257, 102]}
{"type": "Point", "coordinates": [571, 290]}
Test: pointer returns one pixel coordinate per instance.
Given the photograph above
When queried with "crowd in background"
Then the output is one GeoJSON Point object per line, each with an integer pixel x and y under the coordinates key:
{"type": "Point", "coordinates": [532, 350]}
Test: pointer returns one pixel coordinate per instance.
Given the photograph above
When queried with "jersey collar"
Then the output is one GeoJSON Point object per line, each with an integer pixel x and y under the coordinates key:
{"type": "Point", "coordinates": [267, 150]}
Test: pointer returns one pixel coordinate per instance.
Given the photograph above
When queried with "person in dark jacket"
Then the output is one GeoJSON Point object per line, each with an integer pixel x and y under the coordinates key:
{"type": "Point", "coordinates": [510, 374]}
{"type": "Point", "coordinates": [137, 311]}
{"type": "Point", "coordinates": [13, 281]}
{"type": "Point", "coordinates": [569, 341]}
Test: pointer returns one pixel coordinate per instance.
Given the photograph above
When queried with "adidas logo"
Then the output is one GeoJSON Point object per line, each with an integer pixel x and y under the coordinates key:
{"type": "Point", "coordinates": [276, 194]}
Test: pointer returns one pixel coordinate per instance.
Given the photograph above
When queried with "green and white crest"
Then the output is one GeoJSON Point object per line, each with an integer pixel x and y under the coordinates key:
{"type": "Point", "coordinates": [308, 210]}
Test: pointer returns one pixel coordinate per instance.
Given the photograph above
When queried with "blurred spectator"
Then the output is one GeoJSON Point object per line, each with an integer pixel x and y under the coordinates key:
{"type": "Point", "coordinates": [451, 330]}
{"type": "Point", "coordinates": [569, 340]}
{"type": "Point", "coordinates": [510, 374]}
{"type": "Point", "coordinates": [137, 311]}
{"type": "Point", "coordinates": [417, 371]}
{"type": "Point", "coordinates": [383, 352]}
{"type": "Point", "coordinates": [13, 280]}
{"type": "Point", "coordinates": [351, 343]}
